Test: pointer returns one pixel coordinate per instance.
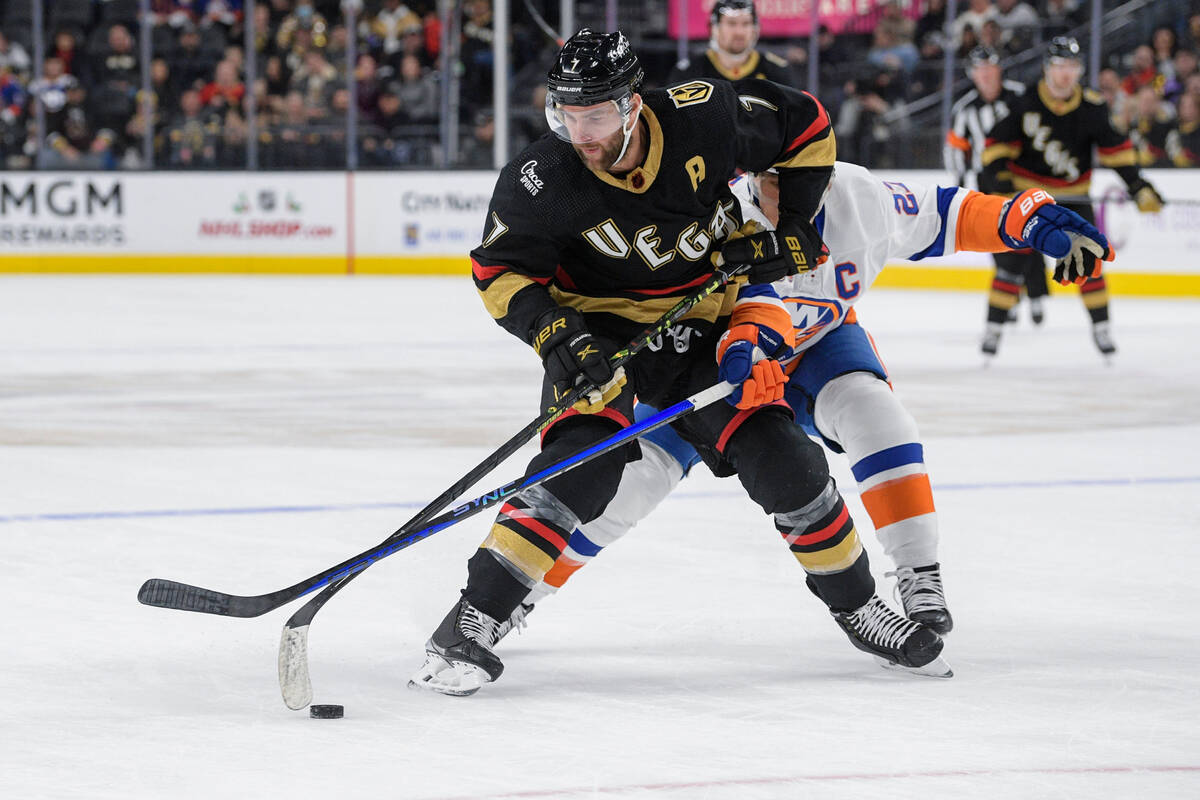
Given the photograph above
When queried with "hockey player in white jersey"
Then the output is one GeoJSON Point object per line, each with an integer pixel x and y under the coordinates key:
{"type": "Point", "coordinates": [838, 388]}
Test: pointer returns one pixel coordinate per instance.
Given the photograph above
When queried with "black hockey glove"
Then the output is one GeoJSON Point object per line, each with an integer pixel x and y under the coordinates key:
{"type": "Point", "coordinates": [571, 356]}
{"type": "Point", "coordinates": [793, 247]}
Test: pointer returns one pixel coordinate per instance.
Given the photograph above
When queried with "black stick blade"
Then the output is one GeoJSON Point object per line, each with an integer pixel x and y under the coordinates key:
{"type": "Point", "coordinates": [172, 594]}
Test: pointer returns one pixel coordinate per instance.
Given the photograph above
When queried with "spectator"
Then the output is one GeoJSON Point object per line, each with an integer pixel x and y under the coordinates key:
{"type": "Point", "coordinates": [991, 36]}
{"type": "Point", "coordinates": [94, 153]}
{"type": "Point", "coordinates": [225, 90]}
{"type": "Point", "coordinates": [231, 149]}
{"type": "Point", "coordinates": [53, 91]}
{"type": "Point", "coordinates": [277, 80]}
{"type": "Point", "coordinates": [304, 18]}
{"type": "Point", "coordinates": [1019, 23]}
{"type": "Point", "coordinates": [335, 50]}
{"type": "Point", "coordinates": [1163, 43]}
{"type": "Point", "coordinates": [366, 83]}
{"type": "Point", "coordinates": [432, 36]}
{"type": "Point", "coordinates": [166, 94]}
{"type": "Point", "coordinates": [315, 81]}
{"type": "Point", "coordinates": [894, 21]}
{"type": "Point", "coordinates": [190, 64]}
{"type": "Point", "coordinates": [264, 43]}
{"type": "Point", "coordinates": [393, 21]}
{"type": "Point", "coordinates": [1110, 86]}
{"type": "Point", "coordinates": [1193, 33]}
{"type": "Point", "coordinates": [66, 48]}
{"type": "Point", "coordinates": [13, 56]}
{"type": "Point", "coordinates": [389, 115]}
{"type": "Point", "coordinates": [1184, 66]}
{"type": "Point", "coordinates": [1060, 17]}
{"type": "Point", "coordinates": [1149, 124]}
{"type": "Point", "coordinates": [859, 126]}
{"type": "Point", "coordinates": [1183, 142]}
{"type": "Point", "coordinates": [977, 13]}
{"type": "Point", "coordinates": [476, 52]}
{"type": "Point", "coordinates": [418, 91]}
{"type": "Point", "coordinates": [12, 97]}
{"type": "Point", "coordinates": [117, 65]}
{"type": "Point", "coordinates": [73, 124]}
{"type": "Point", "coordinates": [1142, 71]}
{"type": "Point", "coordinates": [235, 56]}
{"type": "Point", "coordinates": [930, 33]}
{"type": "Point", "coordinates": [295, 139]}
{"type": "Point", "coordinates": [889, 54]}
{"type": "Point", "coordinates": [477, 151]}
{"type": "Point", "coordinates": [193, 134]}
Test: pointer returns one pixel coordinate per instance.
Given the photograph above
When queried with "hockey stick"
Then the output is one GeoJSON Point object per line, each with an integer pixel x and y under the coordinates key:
{"type": "Point", "coordinates": [294, 681]}
{"type": "Point", "coordinates": [164, 593]}
{"type": "Point", "coordinates": [540, 21]}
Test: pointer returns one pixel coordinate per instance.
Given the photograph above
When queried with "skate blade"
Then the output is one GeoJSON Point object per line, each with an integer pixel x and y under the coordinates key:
{"type": "Point", "coordinates": [451, 678]}
{"type": "Point", "coordinates": [938, 668]}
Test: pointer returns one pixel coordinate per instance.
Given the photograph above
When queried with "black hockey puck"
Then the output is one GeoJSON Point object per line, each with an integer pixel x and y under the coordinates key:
{"type": "Point", "coordinates": [326, 712]}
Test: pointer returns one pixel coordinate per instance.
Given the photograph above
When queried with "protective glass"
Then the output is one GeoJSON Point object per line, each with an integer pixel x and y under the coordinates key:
{"type": "Point", "coordinates": [582, 124]}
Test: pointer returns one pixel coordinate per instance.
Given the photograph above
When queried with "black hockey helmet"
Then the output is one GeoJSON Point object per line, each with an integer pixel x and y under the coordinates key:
{"type": "Point", "coordinates": [593, 67]}
{"type": "Point", "coordinates": [723, 7]}
{"type": "Point", "coordinates": [981, 55]}
{"type": "Point", "coordinates": [1062, 48]}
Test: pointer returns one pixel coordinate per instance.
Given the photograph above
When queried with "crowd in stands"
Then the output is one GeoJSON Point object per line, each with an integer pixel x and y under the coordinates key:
{"type": "Point", "coordinates": [90, 84]}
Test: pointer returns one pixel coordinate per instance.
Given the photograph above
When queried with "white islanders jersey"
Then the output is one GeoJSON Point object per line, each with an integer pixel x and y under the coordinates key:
{"type": "Point", "coordinates": [865, 222]}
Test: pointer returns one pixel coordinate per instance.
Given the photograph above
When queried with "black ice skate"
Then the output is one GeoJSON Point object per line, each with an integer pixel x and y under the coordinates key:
{"type": "Point", "coordinates": [1102, 336]}
{"type": "Point", "coordinates": [458, 657]}
{"type": "Point", "coordinates": [923, 598]}
{"type": "Point", "coordinates": [515, 621]}
{"type": "Point", "coordinates": [896, 642]}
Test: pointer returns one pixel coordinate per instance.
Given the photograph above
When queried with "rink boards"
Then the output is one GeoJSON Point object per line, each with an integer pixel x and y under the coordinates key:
{"type": "Point", "coordinates": [426, 223]}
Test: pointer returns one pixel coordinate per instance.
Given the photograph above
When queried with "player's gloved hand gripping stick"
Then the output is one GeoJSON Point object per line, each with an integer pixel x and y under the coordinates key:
{"type": "Point", "coordinates": [293, 647]}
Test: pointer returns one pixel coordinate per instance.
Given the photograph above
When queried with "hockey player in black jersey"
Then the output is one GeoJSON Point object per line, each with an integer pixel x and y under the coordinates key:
{"type": "Point", "coordinates": [1046, 142]}
{"type": "Point", "coordinates": [593, 231]}
{"type": "Point", "coordinates": [732, 52]}
{"type": "Point", "coordinates": [973, 116]}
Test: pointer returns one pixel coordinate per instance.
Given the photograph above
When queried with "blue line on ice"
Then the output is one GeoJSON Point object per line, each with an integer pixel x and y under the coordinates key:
{"type": "Point", "coordinates": [67, 516]}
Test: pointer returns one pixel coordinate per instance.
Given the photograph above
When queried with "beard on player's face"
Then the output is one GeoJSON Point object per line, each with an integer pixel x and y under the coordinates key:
{"type": "Point", "coordinates": [601, 154]}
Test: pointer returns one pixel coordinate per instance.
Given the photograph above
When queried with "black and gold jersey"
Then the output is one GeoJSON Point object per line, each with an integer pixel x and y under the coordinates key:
{"type": "Point", "coordinates": [1048, 143]}
{"type": "Point", "coordinates": [760, 64]}
{"type": "Point", "coordinates": [624, 249]}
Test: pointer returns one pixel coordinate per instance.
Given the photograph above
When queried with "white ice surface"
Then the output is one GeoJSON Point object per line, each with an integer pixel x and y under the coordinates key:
{"type": "Point", "coordinates": [272, 427]}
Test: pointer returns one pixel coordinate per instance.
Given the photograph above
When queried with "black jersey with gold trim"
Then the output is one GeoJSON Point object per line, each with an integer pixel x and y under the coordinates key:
{"type": "Point", "coordinates": [1047, 143]}
{"type": "Point", "coordinates": [625, 249]}
{"type": "Point", "coordinates": [760, 64]}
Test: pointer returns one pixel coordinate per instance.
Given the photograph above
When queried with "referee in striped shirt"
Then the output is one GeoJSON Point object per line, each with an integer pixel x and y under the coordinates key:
{"type": "Point", "coordinates": [972, 117]}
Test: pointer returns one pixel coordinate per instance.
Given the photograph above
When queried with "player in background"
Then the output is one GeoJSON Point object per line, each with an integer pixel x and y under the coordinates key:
{"type": "Point", "coordinates": [972, 117]}
{"type": "Point", "coordinates": [838, 387]}
{"type": "Point", "coordinates": [1046, 142]}
{"type": "Point", "coordinates": [732, 53]}
{"type": "Point", "coordinates": [592, 233]}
